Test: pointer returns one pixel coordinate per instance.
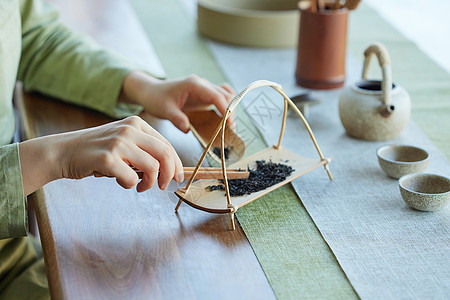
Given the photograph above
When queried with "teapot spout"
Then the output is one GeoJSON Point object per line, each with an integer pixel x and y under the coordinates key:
{"type": "Point", "coordinates": [387, 110]}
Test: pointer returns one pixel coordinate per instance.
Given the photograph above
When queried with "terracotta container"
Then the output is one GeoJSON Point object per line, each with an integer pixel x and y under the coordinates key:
{"type": "Point", "coordinates": [322, 48]}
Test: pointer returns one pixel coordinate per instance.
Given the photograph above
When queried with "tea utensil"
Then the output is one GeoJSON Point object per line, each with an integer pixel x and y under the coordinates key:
{"type": "Point", "coordinates": [426, 192]}
{"type": "Point", "coordinates": [399, 160]}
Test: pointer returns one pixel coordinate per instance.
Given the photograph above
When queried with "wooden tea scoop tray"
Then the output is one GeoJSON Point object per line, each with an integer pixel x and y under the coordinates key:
{"type": "Point", "coordinates": [204, 123]}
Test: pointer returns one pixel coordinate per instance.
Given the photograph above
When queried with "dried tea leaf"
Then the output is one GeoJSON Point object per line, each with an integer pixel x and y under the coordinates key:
{"type": "Point", "coordinates": [265, 175]}
{"type": "Point", "coordinates": [217, 151]}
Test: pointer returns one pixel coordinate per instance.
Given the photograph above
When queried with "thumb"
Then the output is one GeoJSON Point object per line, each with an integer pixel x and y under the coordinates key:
{"type": "Point", "coordinates": [179, 119]}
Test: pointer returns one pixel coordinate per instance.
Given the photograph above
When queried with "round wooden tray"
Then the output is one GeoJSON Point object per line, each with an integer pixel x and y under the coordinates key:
{"type": "Point", "coordinates": [254, 23]}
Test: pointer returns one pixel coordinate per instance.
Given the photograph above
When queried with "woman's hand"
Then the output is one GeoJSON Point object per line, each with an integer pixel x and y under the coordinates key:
{"type": "Point", "coordinates": [110, 150]}
{"type": "Point", "coordinates": [168, 99]}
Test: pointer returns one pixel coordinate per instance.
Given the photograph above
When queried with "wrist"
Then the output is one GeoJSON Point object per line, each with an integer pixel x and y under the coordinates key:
{"type": "Point", "coordinates": [40, 162]}
{"type": "Point", "coordinates": [135, 85]}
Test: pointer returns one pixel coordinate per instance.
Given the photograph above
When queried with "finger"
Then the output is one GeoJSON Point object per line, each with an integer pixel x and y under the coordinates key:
{"type": "Point", "coordinates": [146, 128]}
{"type": "Point", "coordinates": [207, 93]}
{"type": "Point", "coordinates": [144, 162]}
{"type": "Point", "coordinates": [147, 182]}
{"type": "Point", "coordinates": [228, 95]}
{"type": "Point", "coordinates": [112, 166]}
{"type": "Point", "coordinates": [179, 174]}
{"type": "Point", "coordinates": [221, 102]}
{"type": "Point", "coordinates": [232, 121]}
{"type": "Point", "coordinates": [130, 153]}
{"type": "Point", "coordinates": [140, 174]}
{"type": "Point", "coordinates": [179, 119]}
{"type": "Point", "coordinates": [162, 153]}
{"type": "Point", "coordinates": [228, 88]}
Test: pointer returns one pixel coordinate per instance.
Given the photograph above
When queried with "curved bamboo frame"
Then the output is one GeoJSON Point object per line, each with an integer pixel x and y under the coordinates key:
{"type": "Point", "coordinates": [231, 107]}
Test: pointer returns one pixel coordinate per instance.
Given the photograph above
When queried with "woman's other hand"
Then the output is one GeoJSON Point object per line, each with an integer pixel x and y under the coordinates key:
{"type": "Point", "coordinates": [168, 99]}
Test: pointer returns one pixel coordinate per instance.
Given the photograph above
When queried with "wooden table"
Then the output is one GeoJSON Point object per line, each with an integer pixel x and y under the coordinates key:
{"type": "Point", "coordinates": [104, 242]}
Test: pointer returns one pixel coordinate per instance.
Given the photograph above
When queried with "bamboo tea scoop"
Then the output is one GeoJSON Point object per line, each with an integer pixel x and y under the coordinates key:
{"type": "Point", "coordinates": [203, 125]}
{"type": "Point", "coordinates": [215, 173]}
{"type": "Point", "coordinates": [210, 173]}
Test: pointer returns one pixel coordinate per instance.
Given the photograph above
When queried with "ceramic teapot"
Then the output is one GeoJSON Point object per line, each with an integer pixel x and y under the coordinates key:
{"type": "Point", "coordinates": [374, 109]}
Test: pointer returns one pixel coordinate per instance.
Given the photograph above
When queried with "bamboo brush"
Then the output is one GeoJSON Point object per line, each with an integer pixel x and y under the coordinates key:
{"type": "Point", "coordinates": [352, 4]}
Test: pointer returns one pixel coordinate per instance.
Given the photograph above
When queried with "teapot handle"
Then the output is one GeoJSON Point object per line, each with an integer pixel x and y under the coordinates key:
{"type": "Point", "coordinates": [385, 63]}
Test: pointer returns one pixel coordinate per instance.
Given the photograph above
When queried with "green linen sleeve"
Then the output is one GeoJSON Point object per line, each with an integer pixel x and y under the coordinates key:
{"type": "Point", "coordinates": [13, 205]}
{"type": "Point", "coordinates": [69, 66]}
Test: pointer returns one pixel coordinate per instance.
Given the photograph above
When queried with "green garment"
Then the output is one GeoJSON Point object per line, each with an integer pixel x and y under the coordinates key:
{"type": "Point", "coordinates": [38, 50]}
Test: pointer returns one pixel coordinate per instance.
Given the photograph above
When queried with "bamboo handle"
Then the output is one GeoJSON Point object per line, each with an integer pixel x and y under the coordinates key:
{"type": "Point", "coordinates": [380, 51]}
{"type": "Point", "coordinates": [254, 85]}
{"type": "Point", "coordinates": [385, 63]}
